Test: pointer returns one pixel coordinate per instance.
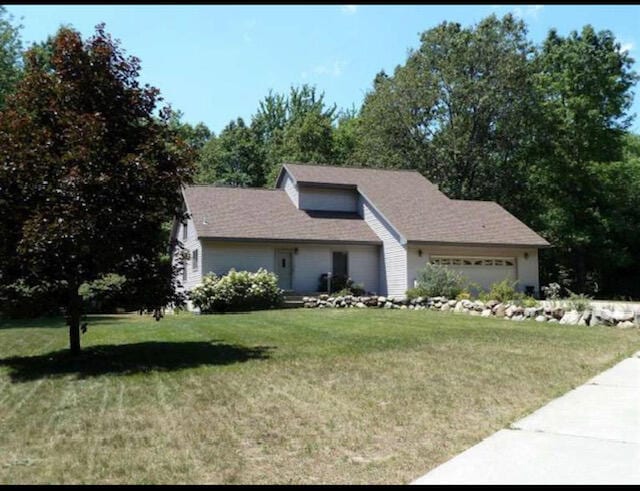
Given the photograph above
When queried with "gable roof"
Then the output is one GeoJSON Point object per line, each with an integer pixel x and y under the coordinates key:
{"type": "Point", "coordinates": [418, 210]}
{"type": "Point", "coordinates": [268, 215]}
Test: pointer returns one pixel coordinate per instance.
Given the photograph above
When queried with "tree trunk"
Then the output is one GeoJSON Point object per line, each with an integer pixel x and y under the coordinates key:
{"type": "Point", "coordinates": [73, 320]}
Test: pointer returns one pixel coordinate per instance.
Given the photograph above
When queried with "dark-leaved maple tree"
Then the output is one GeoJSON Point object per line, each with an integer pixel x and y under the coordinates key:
{"type": "Point", "coordinates": [90, 171]}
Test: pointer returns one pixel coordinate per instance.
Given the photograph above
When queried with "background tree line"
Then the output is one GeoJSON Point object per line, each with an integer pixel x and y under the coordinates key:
{"type": "Point", "coordinates": [483, 112]}
{"type": "Point", "coordinates": [486, 114]}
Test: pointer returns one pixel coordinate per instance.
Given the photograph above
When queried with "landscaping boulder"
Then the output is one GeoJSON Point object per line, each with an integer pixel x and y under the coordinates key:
{"type": "Point", "coordinates": [486, 313]}
{"type": "Point", "coordinates": [605, 316]}
{"type": "Point", "coordinates": [586, 317]}
{"type": "Point", "coordinates": [571, 317]}
{"type": "Point", "coordinates": [541, 318]}
{"type": "Point", "coordinates": [445, 307]}
{"type": "Point", "coordinates": [361, 305]}
{"type": "Point", "coordinates": [626, 324]}
{"type": "Point", "coordinates": [622, 316]}
{"type": "Point", "coordinates": [500, 310]}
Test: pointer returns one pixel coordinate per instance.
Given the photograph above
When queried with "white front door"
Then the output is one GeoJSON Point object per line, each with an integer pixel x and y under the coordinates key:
{"type": "Point", "coordinates": [283, 269]}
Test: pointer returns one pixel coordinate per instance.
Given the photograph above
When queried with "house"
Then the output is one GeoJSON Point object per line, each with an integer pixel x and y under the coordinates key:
{"type": "Point", "coordinates": [378, 226]}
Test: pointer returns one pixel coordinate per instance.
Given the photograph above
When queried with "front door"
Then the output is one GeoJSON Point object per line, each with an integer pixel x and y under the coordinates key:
{"type": "Point", "coordinates": [283, 269]}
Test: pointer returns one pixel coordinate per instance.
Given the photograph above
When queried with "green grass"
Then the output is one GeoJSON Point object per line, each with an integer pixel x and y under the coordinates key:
{"type": "Point", "coordinates": [290, 396]}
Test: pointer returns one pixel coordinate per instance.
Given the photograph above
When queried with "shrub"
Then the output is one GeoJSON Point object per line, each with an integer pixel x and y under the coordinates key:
{"type": "Point", "coordinates": [437, 280]}
{"type": "Point", "coordinates": [103, 294]}
{"type": "Point", "coordinates": [551, 291]}
{"type": "Point", "coordinates": [237, 291]}
{"type": "Point", "coordinates": [579, 302]}
{"type": "Point", "coordinates": [416, 292]}
{"type": "Point", "coordinates": [503, 291]}
{"type": "Point", "coordinates": [463, 295]}
{"type": "Point", "coordinates": [340, 284]}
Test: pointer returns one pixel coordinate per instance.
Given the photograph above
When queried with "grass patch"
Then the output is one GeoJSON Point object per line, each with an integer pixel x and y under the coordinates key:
{"type": "Point", "coordinates": [290, 396]}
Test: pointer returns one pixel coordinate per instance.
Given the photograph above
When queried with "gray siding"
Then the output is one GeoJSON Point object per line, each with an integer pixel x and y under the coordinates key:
{"type": "Point", "coordinates": [290, 188]}
{"type": "Point", "coordinates": [526, 268]}
{"type": "Point", "coordinates": [328, 199]}
{"type": "Point", "coordinates": [308, 264]}
{"type": "Point", "coordinates": [190, 244]}
{"type": "Point", "coordinates": [393, 260]}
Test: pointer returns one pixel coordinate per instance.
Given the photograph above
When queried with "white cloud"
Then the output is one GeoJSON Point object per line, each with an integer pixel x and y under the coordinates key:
{"type": "Point", "coordinates": [333, 69]}
{"type": "Point", "coordinates": [626, 46]}
{"type": "Point", "coordinates": [349, 9]}
{"type": "Point", "coordinates": [247, 28]}
{"type": "Point", "coordinates": [523, 11]}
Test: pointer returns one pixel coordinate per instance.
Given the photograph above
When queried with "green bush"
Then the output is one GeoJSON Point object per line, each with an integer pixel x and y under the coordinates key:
{"type": "Point", "coordinates": [503, 291]}
{"type": "Point", "coordinates": [340, 284]}
{"type": "Point", "coordinates": [103, 294]}
{"type": "Point", "coordinates": [415, 292]}
{"type": "Point", "coordinates": [436, 280]}
{"type": "Point", "coordinates": [579, 302]}
{"type": "Point", "coordinates": [237, 291]}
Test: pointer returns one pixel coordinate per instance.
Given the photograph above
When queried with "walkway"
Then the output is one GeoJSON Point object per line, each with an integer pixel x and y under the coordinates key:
{"type": "Point", "coordinates": [591, 435]}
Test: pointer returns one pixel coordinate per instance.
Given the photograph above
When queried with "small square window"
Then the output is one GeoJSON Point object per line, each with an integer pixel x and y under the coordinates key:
{"type": "Point", "coordinates": [184, 232]}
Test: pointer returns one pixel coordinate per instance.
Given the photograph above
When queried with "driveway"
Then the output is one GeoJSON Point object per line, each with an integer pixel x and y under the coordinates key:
{"type": "Point", "coordinates": [591, 435]}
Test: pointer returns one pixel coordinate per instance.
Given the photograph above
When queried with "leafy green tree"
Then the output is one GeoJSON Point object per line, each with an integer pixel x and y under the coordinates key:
{"type": "Point", "coordinates": [458, 110]}
{"type": "Point", "coordinates": [345, 138]}
{"type": "Point", "coordinates": [88, 174]}
{"type": "Point", "coordinates": [10, 54]}
{"type": "Point", "coordinates": [235, 157]}
{"type": "Point", "coordinates": [298, 127]}
{"type": "Point", "coordinates": [195, 136]}
{"type": "Point", "coordinates": [585, 84]}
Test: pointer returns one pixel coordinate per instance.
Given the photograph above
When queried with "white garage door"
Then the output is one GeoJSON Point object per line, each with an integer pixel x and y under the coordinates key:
{"type": "Point", "coordinates": [481, 270]}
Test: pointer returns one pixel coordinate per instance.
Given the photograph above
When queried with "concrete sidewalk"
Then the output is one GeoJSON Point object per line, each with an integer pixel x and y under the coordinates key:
{"type": "Point", "coordinates": [590, 435]}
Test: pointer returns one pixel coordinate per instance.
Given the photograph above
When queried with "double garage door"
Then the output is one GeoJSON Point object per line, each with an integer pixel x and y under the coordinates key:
{"type": "Point", "coordinates": [481, 270]}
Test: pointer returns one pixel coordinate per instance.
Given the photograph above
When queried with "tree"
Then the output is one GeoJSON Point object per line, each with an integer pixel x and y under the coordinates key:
{"type": "Point", "coordinates": [297, 127]}
{"type": "Point", "coordinates": [235, 157]}
{"type": "Point", "coordinates": [195, 136]}
{"type": "Point", "coordinates": [585, 83]}
{"type": "Point", "coordinates": [458, 110]}
{"type": "Point", "coordinates": [88, 173]}
{"type": "Point", "coordinates": [10, 54]}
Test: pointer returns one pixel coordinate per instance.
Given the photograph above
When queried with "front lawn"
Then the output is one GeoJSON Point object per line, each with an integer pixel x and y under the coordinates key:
{"type": "Point", "coordinates": [289, 396]}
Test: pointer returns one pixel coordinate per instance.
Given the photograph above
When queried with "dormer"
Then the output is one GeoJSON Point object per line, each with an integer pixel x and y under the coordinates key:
{"type": "Point", "coordinates": [319, 196]}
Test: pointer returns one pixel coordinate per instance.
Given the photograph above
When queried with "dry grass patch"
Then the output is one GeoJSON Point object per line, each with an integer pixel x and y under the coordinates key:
{"type": "Point", "coordinates": [294, 396]}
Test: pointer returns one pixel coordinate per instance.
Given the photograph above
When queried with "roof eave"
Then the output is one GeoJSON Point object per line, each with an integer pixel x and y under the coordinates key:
{"type": "Point", "coordinates": [546, 245]}
{"type": "Point", "coordinates": [290, 240]}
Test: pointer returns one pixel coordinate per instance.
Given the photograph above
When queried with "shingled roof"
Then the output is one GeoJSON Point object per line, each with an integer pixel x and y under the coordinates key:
{"type": "Point", "coordinates": [268, 215]}
{"type": "Point", "coordinates": [419, 211]}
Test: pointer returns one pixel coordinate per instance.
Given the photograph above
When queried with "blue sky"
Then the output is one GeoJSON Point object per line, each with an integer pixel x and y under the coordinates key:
{"type": "Point", "coordinates": [215, 63]}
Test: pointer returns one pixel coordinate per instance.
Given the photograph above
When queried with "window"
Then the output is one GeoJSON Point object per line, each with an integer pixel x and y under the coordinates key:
{"type": "Point", "coordinates": [184, 231]}
{"type": "Point", "coordinates": [194, 257]}
{"type": "Point", "coordinates": [340, 264]}
{"type": "Point", "coordinates": [471, 261]}
{"type": "Point", "coordinates": [184, 271]}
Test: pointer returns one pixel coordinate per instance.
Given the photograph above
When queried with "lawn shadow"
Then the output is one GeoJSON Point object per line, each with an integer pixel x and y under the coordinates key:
{"type": "Point", "coordinates": [59, 322]}
{"type": "Point", "coordinates": [126, 359]}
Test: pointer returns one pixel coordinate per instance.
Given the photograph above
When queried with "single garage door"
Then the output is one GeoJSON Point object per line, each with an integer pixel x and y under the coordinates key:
{"type": "Point", "coordinates": [481, 270]}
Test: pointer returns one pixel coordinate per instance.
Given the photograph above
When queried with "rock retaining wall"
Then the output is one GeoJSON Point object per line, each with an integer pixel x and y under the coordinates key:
{"type": "Point", "coordinates": [491, 308]}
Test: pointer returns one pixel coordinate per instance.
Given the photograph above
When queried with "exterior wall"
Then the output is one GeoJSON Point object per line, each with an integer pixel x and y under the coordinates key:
{"type": "Point", "coordinates": [328, 199]}
{"type": "Point", "coordinates": [309, 262]}
{"type": "Point", "coordinates": [526, 270]}
{"type": "Point", "coordinates": [415, 263]}
{"type": "Point", "coordinates": [190, 244]}
{"type": "Point", "coordinates": [393, 260]}
{"type": "Point", "coordinates": [290, 188]}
